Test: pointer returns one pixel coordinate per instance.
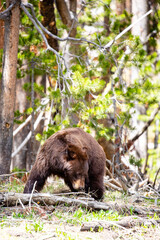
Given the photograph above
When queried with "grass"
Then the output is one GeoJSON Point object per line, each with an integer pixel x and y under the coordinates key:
{"type": "Point", "coordinates": [36, 226]}
{"type": "Point", "coordinates": [64, 235]}
{"type": "Point", "coordinates": [81, 215]}
{"type": "Point", "coordinates": [58, 218]}
{"type": "Point", "coordinates": [13, 184]}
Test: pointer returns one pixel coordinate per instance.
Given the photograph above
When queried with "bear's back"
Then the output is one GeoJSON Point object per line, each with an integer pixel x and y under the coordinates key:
{"type": "Point", "coordinates": [58, 141]}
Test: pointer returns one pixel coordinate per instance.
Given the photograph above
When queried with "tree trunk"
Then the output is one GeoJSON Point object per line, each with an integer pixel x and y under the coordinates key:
{"type": "Point", "coordinates": [123, 5]}
{"type": "Point", "coordinates": [141, 30]}
{"type": "Point", "coordinates": [21, 104]}
{"type": "Point", "coordinates": [68, 13]}
{"type": "Point", "coordinates": [1, 30]}
{"type": "Point", "coordinates": [47, 11]}
{"type": "Point", "coordinates": [8, 82]}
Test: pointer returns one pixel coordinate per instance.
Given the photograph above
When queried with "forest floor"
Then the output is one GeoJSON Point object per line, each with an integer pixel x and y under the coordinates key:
{"type": "Point", "coordinates": [134, 216]}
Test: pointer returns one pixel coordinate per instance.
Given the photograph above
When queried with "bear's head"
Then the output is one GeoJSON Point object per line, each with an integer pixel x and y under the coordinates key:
{"type": "Point", "coordinates": [76, 167]}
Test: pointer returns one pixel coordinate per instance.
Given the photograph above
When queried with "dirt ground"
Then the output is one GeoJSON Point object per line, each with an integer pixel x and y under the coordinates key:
{"type": "Point", "coordinates": [46, 225]}
{"type": "Point", "coordinates": [56, 230]}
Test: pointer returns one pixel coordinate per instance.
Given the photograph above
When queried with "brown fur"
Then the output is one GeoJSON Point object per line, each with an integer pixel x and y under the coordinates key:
{"type": "Point", "coordinates": [73, 155]}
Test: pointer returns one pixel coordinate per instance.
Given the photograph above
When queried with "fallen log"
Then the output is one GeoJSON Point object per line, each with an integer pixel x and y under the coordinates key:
{"type": "Point", "coordinates": [45, 199]}
{"type": "Point", "coordinates": [13, 199]}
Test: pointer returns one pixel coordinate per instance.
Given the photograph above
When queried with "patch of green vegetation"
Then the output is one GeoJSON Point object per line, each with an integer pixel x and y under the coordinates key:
{"type": "Point", "coordinates": [19, 172]}
{"type": "Point", "coordinates": [155, 217]}
{"type": "Point", "coordinates": [26, 215]}
{"type": "Point", "coordinates": [35, 226]}
{"type": "Point", "coordinates": [13, 184]}
{"type": "Point", "coordinates": [156, 201]}
{"type": "Point", "coordinates": [82, 215]}
{"type": "Point", "coordinates": [18, 215]}
{"type": "Point", "coordinates": [131, 210]}
{"type": "Point", "coordinates": [114, 196]}
{"type": "Point", "coordinates": [64, 235]}
{"type": "Point", "coordinates": [153, 163]}
{"type": "Point", "coordinates": [3, 222]}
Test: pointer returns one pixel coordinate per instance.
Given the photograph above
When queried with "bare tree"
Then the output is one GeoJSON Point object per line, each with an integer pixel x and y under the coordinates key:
{"type": "Point", "coordinates": [8, 82]}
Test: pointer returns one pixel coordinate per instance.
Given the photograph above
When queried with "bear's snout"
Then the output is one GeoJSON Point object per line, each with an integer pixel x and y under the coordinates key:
{"type": "Point", "coordinates": [78, 184]}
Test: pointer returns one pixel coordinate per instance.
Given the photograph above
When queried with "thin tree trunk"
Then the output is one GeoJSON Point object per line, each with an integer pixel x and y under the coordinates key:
{"type": "Point", "coordinates": [47, 11]}
{"type": "Point", "coordinates": [141, 30]}
{"type": "Point", "coordinates": [1, 30]}
{"type": "Point", "coordinates": [21, 104]}
{"type": "Point", "coordinates": [7, 86]}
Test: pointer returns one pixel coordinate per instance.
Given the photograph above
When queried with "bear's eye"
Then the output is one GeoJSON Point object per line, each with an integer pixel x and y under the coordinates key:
{"type": "Point", "coordinates": [71, 155]}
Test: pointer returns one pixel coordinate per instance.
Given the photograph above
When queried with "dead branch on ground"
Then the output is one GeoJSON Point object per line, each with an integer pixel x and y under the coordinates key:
{"type": "Point", "coordinates": [126, 222]}
{"type": "Point", "coordinates": [14, 199]}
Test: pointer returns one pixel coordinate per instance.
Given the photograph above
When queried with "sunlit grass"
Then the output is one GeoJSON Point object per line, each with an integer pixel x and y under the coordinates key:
{"type": "Point", "coordinates": [82, 215]}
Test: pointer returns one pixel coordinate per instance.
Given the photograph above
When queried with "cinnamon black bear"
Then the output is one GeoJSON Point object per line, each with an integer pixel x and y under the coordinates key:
{"type": "Point", "coordinates": [73, 155]}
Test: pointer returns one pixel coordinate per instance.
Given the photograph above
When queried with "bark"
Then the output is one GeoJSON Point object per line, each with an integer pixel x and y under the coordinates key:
{"type": "Point", "coordinates": [47, 11]}
{"type": "Point", "coordinates": [11, 199]}
{"type": "Point", "coordinates": [125, 222]}
{"type": "Point", "coordinates": [106, 21]}
{"type": "Point", "coordinates": [123, 5]}
{"type": "Point", "coordinates": [33, 145]}
{"type": "Point", "coordinates": [73, 10]}
{"type": "Point", "coordinates": [8, 83]}
{"type": "Point", "coordinates": [21, 104]}
{"type": "Point", "coordinates": [120, 6]}
{"type": "Point", "coordinates": [156, 137]}
{"type": "Point", "coordinates": [73, 6]}
{"type": "Point", "coordinates": [141, 30]}
{"type": "Point", "coordinates": [128, 6]}
{"type": "Point", "coordinates": [25, 158]}
{"type": "Point", "coordinates": [68, 14]}
{"type": "Point", "coordinates": [64, 12]}
{"type": "Point", "coordinates": [1, 29]}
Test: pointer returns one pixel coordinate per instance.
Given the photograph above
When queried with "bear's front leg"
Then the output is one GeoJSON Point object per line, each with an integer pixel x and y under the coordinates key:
{"type": "Point", "coordinates": [96, 187]}
{"type": "Point", "coordinates": [36, 178]}
{"type": "Point", "coordinates": [86, 185]}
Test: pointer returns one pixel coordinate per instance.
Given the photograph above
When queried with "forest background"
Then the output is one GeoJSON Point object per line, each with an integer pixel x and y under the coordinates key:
{"type": "Point", "coordinates": [81, 70]}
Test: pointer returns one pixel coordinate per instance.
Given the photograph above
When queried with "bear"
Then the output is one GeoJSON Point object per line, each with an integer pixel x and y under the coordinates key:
{"type": "Point", "coordinates": [75, 156]}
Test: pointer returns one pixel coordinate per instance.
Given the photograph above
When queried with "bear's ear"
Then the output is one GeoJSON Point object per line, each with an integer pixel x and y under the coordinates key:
{"type": "Point", "coordinates": [77, 152]}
